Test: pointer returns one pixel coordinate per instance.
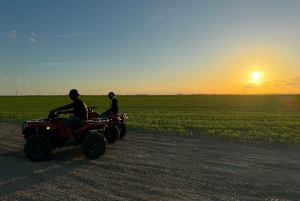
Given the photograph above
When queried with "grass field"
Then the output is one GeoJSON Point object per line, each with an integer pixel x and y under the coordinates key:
{"type": "Point", "coordinates": [268, 118]}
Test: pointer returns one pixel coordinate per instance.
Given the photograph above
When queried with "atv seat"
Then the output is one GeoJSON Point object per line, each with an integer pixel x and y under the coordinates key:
{"type": "Point", "coordinates": [96, 120]}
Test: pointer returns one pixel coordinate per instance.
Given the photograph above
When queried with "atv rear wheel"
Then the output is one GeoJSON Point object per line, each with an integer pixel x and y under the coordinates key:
{"type": "Point", "coordinates": [94, 145]}
{"type": "Point", "coordinates": [112, 133]}
{"type": "Point", "coordinates": [37, 148]}
{"type": "Point", "coordinates": [123, 130]}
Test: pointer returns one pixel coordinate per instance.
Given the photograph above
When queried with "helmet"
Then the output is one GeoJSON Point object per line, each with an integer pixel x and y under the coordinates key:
{"type": "Point", "coordinates": [73, 94]}
{"type": "Point", "coordinates": [111, 95]}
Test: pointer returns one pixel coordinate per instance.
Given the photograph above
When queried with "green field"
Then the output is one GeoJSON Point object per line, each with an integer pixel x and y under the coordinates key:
{"type": "Point", "coordinates": [267, 118]}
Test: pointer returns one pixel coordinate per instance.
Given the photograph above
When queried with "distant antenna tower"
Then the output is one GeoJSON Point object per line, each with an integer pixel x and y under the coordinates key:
{"type": "Point", "coordinates": [38, 93]}
{"type": "Point", "coordinates": [16, 93]}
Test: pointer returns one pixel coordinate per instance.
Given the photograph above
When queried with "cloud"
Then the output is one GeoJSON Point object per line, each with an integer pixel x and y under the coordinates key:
{"type": "Point", "coordinates": [19, 80]}
{"type": "Point", "coordinates": [296, 79]}
{"type": "Point", "coordinates": [64, 64]}
{"type": "Point", "coordinates": [11, 34]}
{"type": "Point", "coordinates": [255, 83]}
{"type": "Point", "coordinates": [265, 82]}
{"type": "Point", "coordinates": [291, 81]}
{"type": "Point", "coordinates": [280, 82]}
{"type": "Point", "coordinates": [33, 34]}
{"type": "Point", "coordinates": [3, 77]}
{"type": "Point", "coordinates": [250, 85]}
{"type": "Point", "coordinates": [43, 34]}
{"type": "Point", "coordinates": [32, 40]}
{"type": "Point", "coordinates": [73, 34]}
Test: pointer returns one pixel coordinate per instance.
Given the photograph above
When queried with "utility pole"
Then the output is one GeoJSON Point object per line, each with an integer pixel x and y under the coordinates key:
{"type": "Point", "coordinates": [16, 93]}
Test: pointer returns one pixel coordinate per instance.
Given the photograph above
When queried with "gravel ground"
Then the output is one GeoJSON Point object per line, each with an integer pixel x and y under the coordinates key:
{"type": "Point", "coordinates": [151, 167]}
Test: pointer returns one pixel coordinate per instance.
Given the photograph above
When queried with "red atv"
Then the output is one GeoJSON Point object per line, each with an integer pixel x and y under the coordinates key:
{"type": "Point", "coordinates": [44, 135]}
{"type": "Point", "coordinates": [116, 119]}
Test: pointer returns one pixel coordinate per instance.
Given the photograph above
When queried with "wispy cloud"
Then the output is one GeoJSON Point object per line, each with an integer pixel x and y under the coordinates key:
{"type": "Point", "coordinates": [291, 81]}
{"type": "Point", "coordinates": [3, 77]}
{"type": "Point", "coordinates": [63, 64]}
{"type": "Point", "coordinates": [256, 83]}
{"type": "Point", "coordinates": [19, 80]}
{"type": "Point", "coordinates": [32, 40]}
{"type": "Point", "coordinates": [11, 34]}
{"type": "Point", "coordinates": [43, 34]}
{"type": "Point", "coordinates": [296, 79]}
{"type": "Point", "coordinates": [248, 85]}
{"type": "Point", "coordinates": [73, 34]}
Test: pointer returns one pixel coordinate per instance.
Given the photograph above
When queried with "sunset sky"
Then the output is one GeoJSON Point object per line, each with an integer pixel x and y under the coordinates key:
{"type": "Point", "coordinates": [149, 47]}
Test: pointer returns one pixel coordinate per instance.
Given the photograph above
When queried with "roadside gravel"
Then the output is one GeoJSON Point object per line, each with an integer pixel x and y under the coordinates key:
{"type": "Point", "coordinates": [147, 166]}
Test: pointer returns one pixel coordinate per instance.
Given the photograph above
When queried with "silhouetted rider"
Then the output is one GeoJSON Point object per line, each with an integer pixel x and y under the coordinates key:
{"type": "Point", "coordinates": [114, 108]}
{"type": "Point", "coordinates": [80, 114]}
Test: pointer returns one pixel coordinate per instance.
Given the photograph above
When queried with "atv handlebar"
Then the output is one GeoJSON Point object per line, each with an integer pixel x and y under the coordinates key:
{"type": "Point", "coordinates": [54, 113]}
{"type": "Point", "coordinates": [90, 109]}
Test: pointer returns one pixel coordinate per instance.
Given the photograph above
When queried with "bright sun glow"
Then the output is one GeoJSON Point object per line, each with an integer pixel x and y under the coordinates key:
{"type": "Point", "coordinates": [256, 75]}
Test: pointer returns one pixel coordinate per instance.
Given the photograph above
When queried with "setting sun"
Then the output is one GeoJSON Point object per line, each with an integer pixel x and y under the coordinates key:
{"type": "Point", "coordinates": [255, 80]}
{"type": "Point", "coordinates": [256, 75]}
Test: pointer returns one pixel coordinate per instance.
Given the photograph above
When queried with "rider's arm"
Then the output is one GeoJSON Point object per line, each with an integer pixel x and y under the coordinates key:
{"type": "Point", "coordinates": [69, 106]}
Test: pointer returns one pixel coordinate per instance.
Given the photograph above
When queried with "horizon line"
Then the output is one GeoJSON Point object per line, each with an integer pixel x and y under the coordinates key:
{"type": "Point", "coordinates": [198, 94]}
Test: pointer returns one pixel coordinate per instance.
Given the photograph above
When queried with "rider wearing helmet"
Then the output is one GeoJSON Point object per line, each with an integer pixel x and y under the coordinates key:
{"type": "Point", "coordinates": [80, 114]}
{"type": "Point", "coordinates": [114, 108]}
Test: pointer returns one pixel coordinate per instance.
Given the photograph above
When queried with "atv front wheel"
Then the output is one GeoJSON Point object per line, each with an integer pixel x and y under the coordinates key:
{"type": "Point", "coordinates": [123, 130]}
{"type": "Point", "coordinates": [94, 145]}
{"type": "Point", "coordinates": [37, 148]}
{"type": "Point", "coordinates": [112, 133]}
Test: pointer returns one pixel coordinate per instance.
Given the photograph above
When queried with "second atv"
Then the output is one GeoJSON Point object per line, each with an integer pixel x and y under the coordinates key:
{"type": "Point", "coordinates": [116, 119]}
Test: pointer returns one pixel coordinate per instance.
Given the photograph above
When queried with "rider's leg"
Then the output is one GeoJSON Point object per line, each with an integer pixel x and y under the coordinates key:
{"type": "Point", "coordinates": [67, 127]}
{"type": "Point", "coordinates": [69, 131]}
{"type": "Point", "coordinates": [104, 114]}
{"type": "Point", "coordinates": [71, 122]}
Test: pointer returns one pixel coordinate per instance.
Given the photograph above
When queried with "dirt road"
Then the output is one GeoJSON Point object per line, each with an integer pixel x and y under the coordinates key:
{"type": "Point", "coordinates": [151, 167]}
